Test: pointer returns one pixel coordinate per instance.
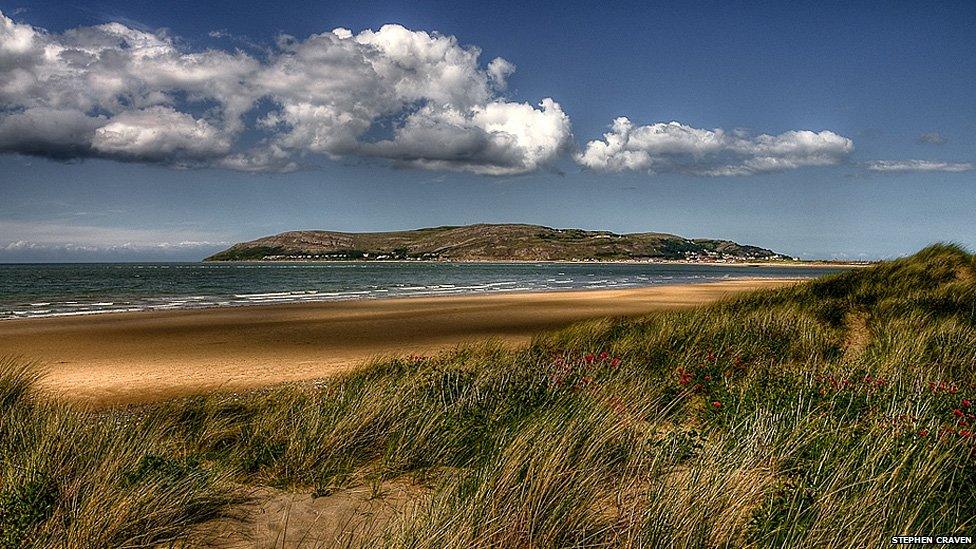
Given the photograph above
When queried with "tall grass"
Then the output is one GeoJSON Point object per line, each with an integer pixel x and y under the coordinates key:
{"type": "Point", "coordinates": [760, 421]}
{"type": "Point", "coordinates": [76, 479]}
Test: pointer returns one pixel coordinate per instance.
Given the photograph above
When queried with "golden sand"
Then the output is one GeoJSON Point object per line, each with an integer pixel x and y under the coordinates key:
{"type": "Point", "coordinates": [138, 357]}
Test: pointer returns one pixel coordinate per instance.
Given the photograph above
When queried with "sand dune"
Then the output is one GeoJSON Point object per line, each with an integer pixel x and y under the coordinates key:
{"type": "Point", "coordinates": [138, 357]}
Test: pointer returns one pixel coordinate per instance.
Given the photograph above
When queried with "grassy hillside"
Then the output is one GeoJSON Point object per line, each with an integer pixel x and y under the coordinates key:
{"type": "Point", "coordinates": [836, 413]}
{"type": "Point", "coordinates": [485, 243]}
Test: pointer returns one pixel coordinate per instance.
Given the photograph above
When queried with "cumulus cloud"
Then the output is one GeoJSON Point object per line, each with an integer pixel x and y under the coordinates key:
{"type": "Point", "coordinates": [58, 133]}
{"type": "Point", "coordinates": [158, 134]}
{"type": "Point", "coordinates": [407, 97]}
{"type": "Point", "coordinates": [499, 70]}
{"type": "Point", "coordinates": [117, 92]}
{"type": "Point", "coordinates": [677, 147]}
{"type": "Point", "coordinates": [901, 166]}
{"type": "Point", "coordinates": [932, 138]}
{"type": "Point", "coordinates": [500, 138]}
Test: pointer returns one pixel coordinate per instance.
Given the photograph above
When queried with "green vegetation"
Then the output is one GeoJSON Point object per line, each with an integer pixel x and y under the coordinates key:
{"type": "Point", "coordinates": [835, 413]}
{"type": "Point", "coordinates": [77, 479]}
{"type": "Point", "coordinates": [255, 253]}
{"type": "Point", "coordinates": [488, 242]}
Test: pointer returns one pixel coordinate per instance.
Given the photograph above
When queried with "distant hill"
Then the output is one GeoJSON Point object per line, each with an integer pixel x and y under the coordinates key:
{"type": "Point", "coordinates": [485, 242]}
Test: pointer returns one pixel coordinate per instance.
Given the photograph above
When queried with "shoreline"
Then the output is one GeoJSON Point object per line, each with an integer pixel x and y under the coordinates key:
{"type": "Point", "coordinates": [799, 264]}
{"type": "Point", "coordinates": [356, 296]}
{"type": "Point", "coordinates": [123, 358]}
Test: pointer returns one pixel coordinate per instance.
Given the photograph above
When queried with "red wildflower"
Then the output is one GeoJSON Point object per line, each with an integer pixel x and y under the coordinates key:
{"type": "Point", "coordinates": [958, 413]}
{"type": "Point", "coordinates": [966, 403]}
{"type": "Point", "coordinates": [716, 404]}
{"type": "Point", "coordinates": [615, 362]}
{"type": "Point", "coordinates": [604, 355]}
{"type": "Point", "coordinates": [589, 358]}
{"type": "Point", "coordinates": [923, 433]}
{"type": "Point", "coordinates": [964, 433]}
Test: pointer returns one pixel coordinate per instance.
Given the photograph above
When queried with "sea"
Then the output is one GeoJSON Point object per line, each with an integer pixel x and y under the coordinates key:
{"type": "Point", "coordinates": [51, 290]}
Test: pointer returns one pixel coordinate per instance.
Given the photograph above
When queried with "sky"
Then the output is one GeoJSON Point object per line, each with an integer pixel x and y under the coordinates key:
{"type": "Point", "coordinates": [138, 130]}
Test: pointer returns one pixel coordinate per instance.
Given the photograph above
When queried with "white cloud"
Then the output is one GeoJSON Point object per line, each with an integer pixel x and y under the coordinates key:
{"type": "Point", "coordinates": [31, 251]}
{"type": "Point", "coordinates": [933, 138]}
{"type": "Point", "coordinates": [85, 90]}
{"type": "Point", "coordinates": [53, 132]}
{"type": "Point", "coordinates": [677, 147]}
{"type": "Point", "coordinates": [499, 70]}
{"type": "Point", "coordinates": [118, 92]}
{"type": "Point", "coordinates": [501, 138]}
{"type": "Point", "coordinates": [60, 241]}
{"type": "Point", "coordinates": [409, 97]}
{"type": "Point", "coordinates": [158, 134]}
{"type": "Point", "coordinates": [31, 245]}
{"type": "Point", "coordinates": [59, 235]}
{"type": "Point", "coordinates": [895, 166]}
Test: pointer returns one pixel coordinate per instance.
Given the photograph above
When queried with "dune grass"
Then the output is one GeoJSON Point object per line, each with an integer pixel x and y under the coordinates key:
{"type": "Point", "coordinates": [837, 412]}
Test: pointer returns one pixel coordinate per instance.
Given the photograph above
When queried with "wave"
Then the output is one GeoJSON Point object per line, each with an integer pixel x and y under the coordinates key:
{"type": "Point", "coordinates": [90, 291]}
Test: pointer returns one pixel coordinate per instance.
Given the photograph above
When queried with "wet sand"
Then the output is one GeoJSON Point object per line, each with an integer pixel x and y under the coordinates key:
{"type": "Point", "coordinates": [124, 358]}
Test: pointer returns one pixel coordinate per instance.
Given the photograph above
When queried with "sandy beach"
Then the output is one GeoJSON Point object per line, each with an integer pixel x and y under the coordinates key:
{"type": "Point", "coordinates": [138, 357]}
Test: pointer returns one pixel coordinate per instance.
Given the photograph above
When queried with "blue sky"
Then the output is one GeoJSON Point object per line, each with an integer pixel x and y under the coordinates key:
{"type": "Point", "coordinates": [849, 128]}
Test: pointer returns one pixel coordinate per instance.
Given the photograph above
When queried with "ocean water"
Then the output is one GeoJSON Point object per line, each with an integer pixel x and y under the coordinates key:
{"type": "Point", "coordinates": [39, 290]}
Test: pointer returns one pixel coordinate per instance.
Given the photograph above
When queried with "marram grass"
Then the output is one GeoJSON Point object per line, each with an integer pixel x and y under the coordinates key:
{"type": "Point", "coordinates": [838, 412]}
